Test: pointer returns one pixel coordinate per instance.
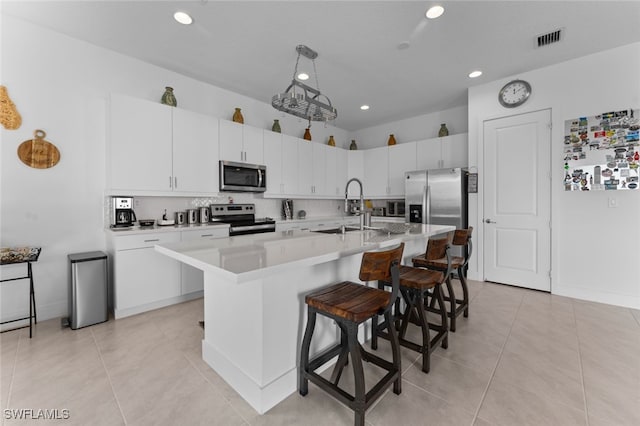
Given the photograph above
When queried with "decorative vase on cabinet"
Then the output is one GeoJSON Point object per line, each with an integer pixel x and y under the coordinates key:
{"type": "Point", "coordinates": [307, 134]}
{"type": "Point", "coordinates": [237, 116]}
{"type": "Point", "coordinates": [331, 141]}
{"type": "Point", "coordinates": [392, 140]}
{"type": "Point", "coordinates": [443, 131]}
{"type": "Point", "coordinates": [353, 146]}
{"type": "Point", "coordinates": [168, 98]}
{"type": "Point", "coordinates": [276, 126]}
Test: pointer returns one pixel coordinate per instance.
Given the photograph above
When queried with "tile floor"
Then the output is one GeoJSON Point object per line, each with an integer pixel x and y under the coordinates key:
{"type": "Point", "coordinates": [521, 358]}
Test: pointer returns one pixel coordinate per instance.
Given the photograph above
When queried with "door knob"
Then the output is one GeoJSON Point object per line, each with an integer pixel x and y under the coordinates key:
{"type": "Point", "coordinates": [489, 221]}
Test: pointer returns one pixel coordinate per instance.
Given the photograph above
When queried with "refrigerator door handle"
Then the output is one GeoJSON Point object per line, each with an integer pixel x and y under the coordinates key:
{"type": "Point", "coordinates": [427, 213]}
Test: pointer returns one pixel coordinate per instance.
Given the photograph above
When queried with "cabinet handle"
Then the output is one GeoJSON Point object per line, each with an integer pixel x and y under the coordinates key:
{"type": "Point", "coordinates": [170, 182]}
{"type": "Point", "coordinates": [206, 235]}
{"type": "Point", "coordinates": [152, 240]}
{"type": "Point", "coordinates": [175, 182]}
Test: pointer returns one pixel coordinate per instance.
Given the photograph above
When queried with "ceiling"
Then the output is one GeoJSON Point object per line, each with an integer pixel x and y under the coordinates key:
{"type": "Point", "coordinates": [248, 47]}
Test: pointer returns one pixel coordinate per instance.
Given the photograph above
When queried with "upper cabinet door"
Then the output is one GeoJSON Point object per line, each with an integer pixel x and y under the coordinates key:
{"type": "Point", "coordinates": [195, 152]}
{"type": "Point", "coordinates": [273, 161]}
{"type": "Point", "coordinates": [455, 151]}
{"type": "Point", "coordinates": [231, 141]}
{"type": "Point", "coordinates": [402, 158]}
{"type": "Point", "coordinates": [252, 144]}
{"type": "Point", "coordinates": [355, 169]}
{"type": "Point", "coordinates": [337, 180]}
{"type": "Point", "coordinates": [305, 167]}
{"type": "Point", "coordinates": [376, 172]}
{"type": "Point", "coordinates": [429, 154]}
{"type": "Point", "coordinates": [289, 165]}
{"type": "Point", "coordinates": [140, 145]}
{"type": "Point", "coordinates": [319, 158]}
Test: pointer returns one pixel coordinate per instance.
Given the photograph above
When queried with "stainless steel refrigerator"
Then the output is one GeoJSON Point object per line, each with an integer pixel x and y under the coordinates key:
{"type": "Point", "coordinates": [437, 196]}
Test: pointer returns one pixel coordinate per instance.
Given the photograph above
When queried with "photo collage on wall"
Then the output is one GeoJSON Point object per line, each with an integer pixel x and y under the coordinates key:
{"type": "Point", "coordinates": [602, 152]}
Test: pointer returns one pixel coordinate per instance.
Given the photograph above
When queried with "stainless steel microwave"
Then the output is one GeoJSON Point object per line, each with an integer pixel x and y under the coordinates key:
{"type": "Point", "coordinates": [242, 177]}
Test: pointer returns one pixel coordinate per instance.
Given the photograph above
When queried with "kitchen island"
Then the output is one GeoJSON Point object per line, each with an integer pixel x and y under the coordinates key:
{"type": "Point", "coordinates": [254, 288]}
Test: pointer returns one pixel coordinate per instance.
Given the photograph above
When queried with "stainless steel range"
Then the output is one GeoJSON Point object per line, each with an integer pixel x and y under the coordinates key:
{"type": "Point", "coordinates": [241, 218]}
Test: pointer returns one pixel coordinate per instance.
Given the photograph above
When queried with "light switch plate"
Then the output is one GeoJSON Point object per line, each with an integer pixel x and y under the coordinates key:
{"type": "Point", "coordinates": [613, 203]}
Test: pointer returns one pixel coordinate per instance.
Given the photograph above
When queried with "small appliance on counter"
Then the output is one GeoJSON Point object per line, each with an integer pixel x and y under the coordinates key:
{"type": "Point", "coordinates": [302, 214]}
{"type": "Point", "coordinates": [165, 221]}
{"type": "Point", "coordinates": [181, 218]}
{"type": "Point", "coordinates": [396, 208]}
{"type": "Point", "coordinates": [379, 211]}
{"type": "Point", "coordinates": [122, 214]}
{"type": "Point", "coordinates": [204, 215]}
{"type": "Point", "coordinates": [353, 207]}
{"type": "Point", "coordinates": [192, 216]}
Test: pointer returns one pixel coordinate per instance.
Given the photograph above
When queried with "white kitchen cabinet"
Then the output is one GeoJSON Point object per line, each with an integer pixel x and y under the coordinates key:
{"type": "Point", "coordinates": [191, 278]}
{"type": "Point", "coordinates": [289, 165]}
{"type": "Point", "coordinates": [355, 169]}
{"type": "Point", "coordinates": [319, 169]}
{"type": "Point", "coordinates": [143, 278]}
{"type": "Point", "coordinates": [305, 167]}
{"type": "Point", "coordinates": [241, 143]}
{"type": "Point", "coordinates": [195, 152]}
{"type": "Point", "coordinates": [157, 148]}
{"type": "Point", "coordinates": [376, 172]}
{"type": "Point", "coordinates": [402, 158]}
{"type": "Point", "coordinates": [336, 172]}
{"type": "Point", "coordinates": [439, 153]}
{"type": "Point", "coordinates": [455, 150]}
{"type": "Point", "coordinates": [273, 160]}
{"type": "Point", "coordinates": [140, 145]}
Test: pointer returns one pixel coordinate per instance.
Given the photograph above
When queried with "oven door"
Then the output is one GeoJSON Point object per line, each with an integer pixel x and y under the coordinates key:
{"type": "Point", "coordinates": [242, 177]}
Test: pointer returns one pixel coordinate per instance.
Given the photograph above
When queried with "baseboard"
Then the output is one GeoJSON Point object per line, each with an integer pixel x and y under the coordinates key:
{"type": "Point", "coordinates": [598, 296]}
{"type": "Point", "coordinates": [122, 313]}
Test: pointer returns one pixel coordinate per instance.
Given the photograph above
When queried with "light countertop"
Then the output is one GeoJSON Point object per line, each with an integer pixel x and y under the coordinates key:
{"type": "Point", "coordinates": [136, 230]}
{"type": "Point", "coordinates": [246, 257]}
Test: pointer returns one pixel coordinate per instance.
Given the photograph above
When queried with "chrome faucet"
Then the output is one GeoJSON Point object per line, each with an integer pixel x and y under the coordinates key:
{"type": "Point", "coordinates": [346, 200]}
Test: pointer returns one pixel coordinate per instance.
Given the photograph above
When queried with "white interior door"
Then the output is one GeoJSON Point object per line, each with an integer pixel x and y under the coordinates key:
{"type": "Point", "coordinates": [517, 200]}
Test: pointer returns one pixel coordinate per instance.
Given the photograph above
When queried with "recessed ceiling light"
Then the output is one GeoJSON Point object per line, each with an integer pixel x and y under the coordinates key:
{"type": "Point", "coordinates": [474, 74]}
{"type": "Point", "coordinates": [434, 12]}
{"type": "Point", "coordinates": [364, 107]}
{"type": "Point", "coordinates": [183, 18]}
{"type": "Point", "coordinates": [303, 76]}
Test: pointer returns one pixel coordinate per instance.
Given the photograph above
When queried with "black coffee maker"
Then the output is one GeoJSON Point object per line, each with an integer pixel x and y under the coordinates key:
{"type": "Point", "coordinates": [122, 214]}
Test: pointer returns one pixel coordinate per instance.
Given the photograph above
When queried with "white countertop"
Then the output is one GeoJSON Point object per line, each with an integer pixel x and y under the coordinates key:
{"type": "Point", "coordinates": [350, 218]}
{"type": "Point", "coordinates": [136, 230]}
{"type": "Point", "coordinates": [246, 257]}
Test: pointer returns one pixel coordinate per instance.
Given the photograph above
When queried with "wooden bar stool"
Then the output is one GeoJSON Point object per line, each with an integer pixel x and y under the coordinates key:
{"type": "Point", "coordinates": [416, 286]}
{"type": "Point", "coordinates": [461, 237]}
{"type": "Point", "coordinates": [349, 305]}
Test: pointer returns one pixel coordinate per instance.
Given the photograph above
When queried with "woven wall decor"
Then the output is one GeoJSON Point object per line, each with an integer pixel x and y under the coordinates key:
{"type": "Point", "coordinates": [38, 153]}
{"type": "Point", "coordinates": [9, 115]}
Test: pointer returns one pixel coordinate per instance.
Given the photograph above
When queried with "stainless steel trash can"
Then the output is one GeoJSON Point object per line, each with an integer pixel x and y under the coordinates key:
{"type": "Point", "coordinates": [87, 289]}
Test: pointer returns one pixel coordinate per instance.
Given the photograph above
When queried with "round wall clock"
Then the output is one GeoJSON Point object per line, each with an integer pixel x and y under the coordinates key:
{"type": "Point", "coordinates": [514, 93]}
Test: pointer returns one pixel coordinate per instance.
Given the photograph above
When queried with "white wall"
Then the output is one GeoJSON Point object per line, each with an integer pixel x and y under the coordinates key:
{"type": "Point", "coordinates": [594, 249]}
{"type": "Point", "coordinates": [61, 85]}
{"type": "Point", "coordinates": [424, 126]}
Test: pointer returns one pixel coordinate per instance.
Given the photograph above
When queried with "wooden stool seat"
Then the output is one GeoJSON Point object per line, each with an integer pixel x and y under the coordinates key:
{"type": "Point", "coordinates": [350, 304]}
{"type": "Point", "coordinates": [417, 285]}
{"type": "Point", "coordinates": [351, 301]}
{"type": "Point", "coordinates": [460, 237]}
{"type": "Point", "coordinates": [420, 279]}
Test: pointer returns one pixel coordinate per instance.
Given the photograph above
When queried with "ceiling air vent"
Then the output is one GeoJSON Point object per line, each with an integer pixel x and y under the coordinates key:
{"type": "Point", "coordinates": [549, 38]}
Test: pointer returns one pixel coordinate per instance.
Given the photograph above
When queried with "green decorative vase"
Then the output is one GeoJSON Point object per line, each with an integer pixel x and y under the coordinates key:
{"type": "Point", "coordinates": [276, 126]}
{"type": "Point", "coordinates": [168, 98]}
{"type": "Point", "coordinates": [443, 131]}
{"type": "Point", "coordinates": [353, 146]}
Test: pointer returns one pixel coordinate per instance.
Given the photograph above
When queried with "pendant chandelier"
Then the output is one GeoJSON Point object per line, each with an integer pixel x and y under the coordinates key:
{"type": "Point", "coordinates": [304, 101]}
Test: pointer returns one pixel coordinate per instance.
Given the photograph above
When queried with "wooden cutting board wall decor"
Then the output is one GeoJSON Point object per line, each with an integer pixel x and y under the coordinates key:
{"type": "Point", "coordinates": [38, 153]}
{"type": "Point", "coordinates": [9, 115]}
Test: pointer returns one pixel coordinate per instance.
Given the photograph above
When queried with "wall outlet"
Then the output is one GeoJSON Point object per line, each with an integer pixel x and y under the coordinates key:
{"type": "Point", "coordinates": [613, 203]}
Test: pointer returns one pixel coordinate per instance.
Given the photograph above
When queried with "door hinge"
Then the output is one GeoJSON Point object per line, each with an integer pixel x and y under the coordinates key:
{"type": "Point", "coordinates": [550, 125]}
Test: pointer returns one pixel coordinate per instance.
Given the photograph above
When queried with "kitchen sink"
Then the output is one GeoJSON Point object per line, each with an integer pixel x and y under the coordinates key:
{"type": "Point", "coordinates": [336, 230]}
